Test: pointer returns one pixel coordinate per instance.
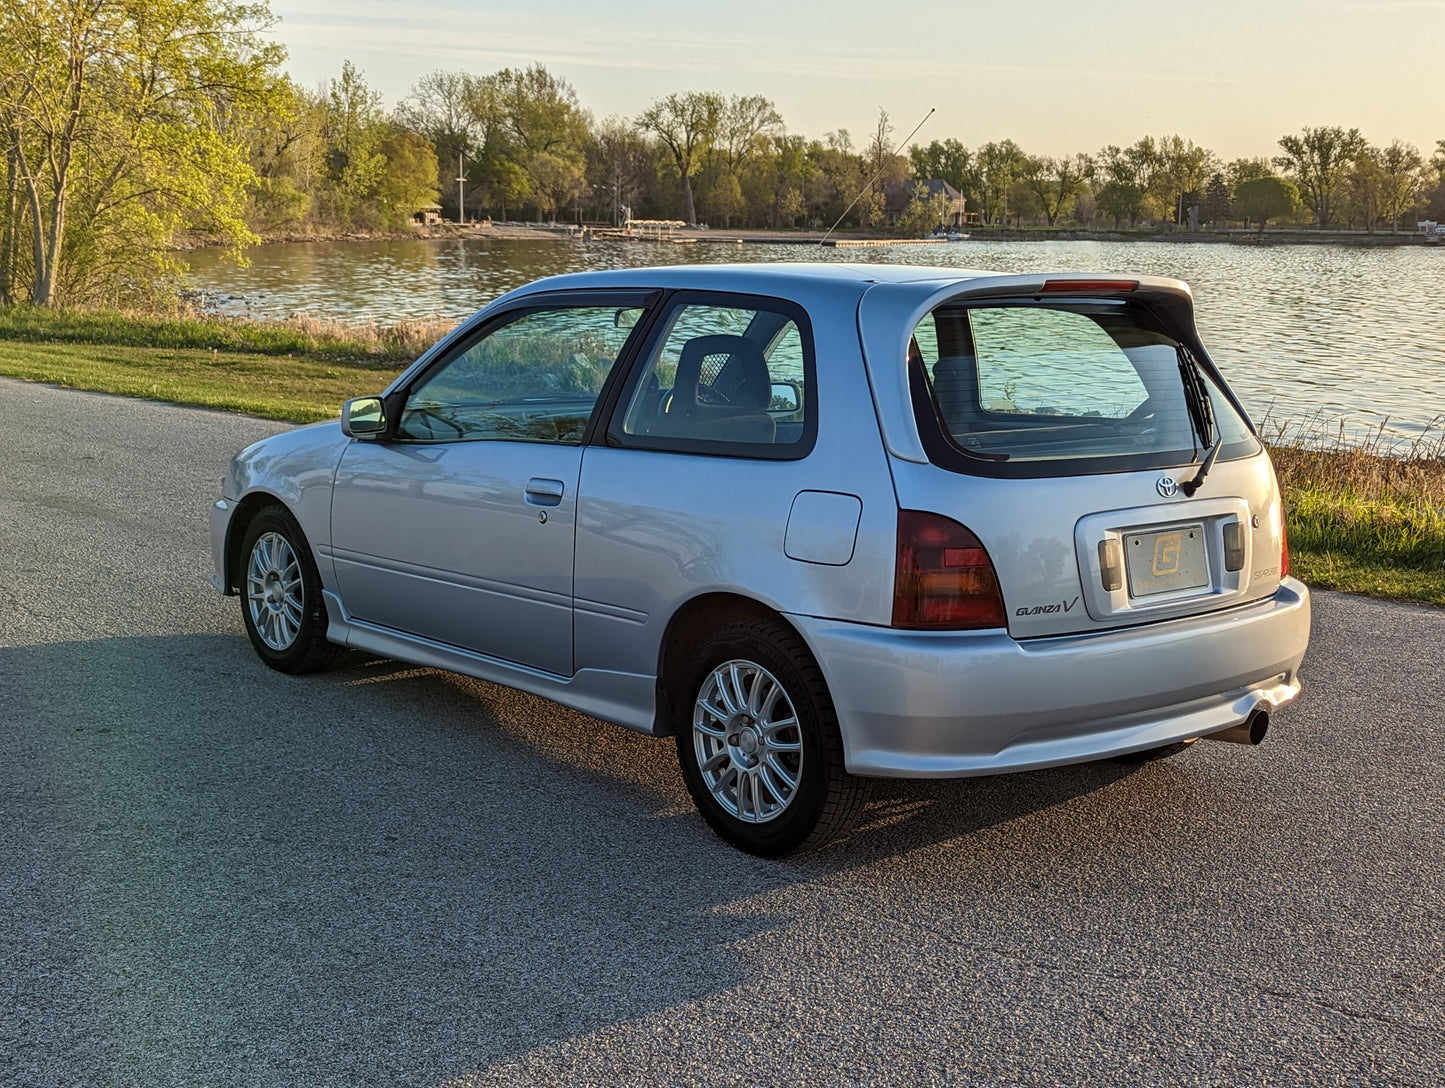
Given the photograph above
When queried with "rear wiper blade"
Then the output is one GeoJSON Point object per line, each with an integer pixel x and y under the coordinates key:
{"type": "Point", "coordinates": [1196, 395]}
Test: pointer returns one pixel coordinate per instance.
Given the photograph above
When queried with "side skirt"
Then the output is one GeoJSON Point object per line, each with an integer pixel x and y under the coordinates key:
{"type": "Point", "coordinates": [626, 699]}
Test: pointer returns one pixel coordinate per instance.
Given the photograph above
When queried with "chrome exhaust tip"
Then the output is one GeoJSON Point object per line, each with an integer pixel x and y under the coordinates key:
{"type": "Point", "coordinates": [1250, 731]}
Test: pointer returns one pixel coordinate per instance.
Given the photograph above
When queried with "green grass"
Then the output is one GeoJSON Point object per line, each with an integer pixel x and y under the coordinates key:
{"type": "Point", "coordinates": [299, 389]}
{"type": "Point", "coordinates": [1363, 517]}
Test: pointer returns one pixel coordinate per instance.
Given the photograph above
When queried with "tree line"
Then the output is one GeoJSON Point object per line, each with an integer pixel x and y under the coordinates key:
{"type": "Point", "coordinates": [129, 126]}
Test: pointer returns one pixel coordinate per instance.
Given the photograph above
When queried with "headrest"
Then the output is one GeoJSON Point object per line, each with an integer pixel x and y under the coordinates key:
{"type": "Point", "coordinates": [732, 365]}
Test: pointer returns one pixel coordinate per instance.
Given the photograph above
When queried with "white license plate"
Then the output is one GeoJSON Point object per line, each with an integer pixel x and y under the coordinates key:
{"type": "Point", "coordinates": [1166, 560]}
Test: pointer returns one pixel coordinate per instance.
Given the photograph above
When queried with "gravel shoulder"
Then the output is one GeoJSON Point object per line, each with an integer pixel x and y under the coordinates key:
{"type": "Point", "coordinates": [211, 873]}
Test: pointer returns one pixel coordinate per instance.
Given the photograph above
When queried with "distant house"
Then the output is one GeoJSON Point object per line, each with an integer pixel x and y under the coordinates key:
{"type": "Point", "coordinates": [429, 215]}
{"type": "Point", "coordinates": [896, 199]}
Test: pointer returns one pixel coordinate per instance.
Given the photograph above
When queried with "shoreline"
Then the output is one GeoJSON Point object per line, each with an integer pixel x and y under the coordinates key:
{"type": "Point", "coordinates": [569, 232]}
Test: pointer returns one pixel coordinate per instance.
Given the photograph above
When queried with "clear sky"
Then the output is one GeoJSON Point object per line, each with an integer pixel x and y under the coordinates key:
{"type": "Point", "coordinates": [1056, 76]}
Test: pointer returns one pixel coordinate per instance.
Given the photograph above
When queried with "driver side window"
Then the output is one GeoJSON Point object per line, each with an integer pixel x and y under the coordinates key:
{"type": "Point", "coordinates": [534, 379]}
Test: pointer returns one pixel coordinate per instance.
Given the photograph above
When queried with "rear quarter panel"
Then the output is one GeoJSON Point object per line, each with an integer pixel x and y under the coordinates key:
{"type": "Point", "coordinates": [656, 530]}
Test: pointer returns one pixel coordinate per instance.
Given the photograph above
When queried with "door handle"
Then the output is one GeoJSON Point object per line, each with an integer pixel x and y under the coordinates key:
{"type": "Point", "coordinates": [544, 492]}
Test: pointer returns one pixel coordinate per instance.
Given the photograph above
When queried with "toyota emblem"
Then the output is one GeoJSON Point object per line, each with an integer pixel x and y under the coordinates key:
{"type": "Point", "coordinates": [1167, 487]}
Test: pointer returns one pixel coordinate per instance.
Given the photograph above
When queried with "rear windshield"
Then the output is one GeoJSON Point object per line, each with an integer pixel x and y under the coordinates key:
{"type": "Point", "coordinates": [1099, 386]}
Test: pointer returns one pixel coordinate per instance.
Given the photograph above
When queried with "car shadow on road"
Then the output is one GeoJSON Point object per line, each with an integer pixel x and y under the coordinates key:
{"type": "Point", "coordinates": [378, 870]}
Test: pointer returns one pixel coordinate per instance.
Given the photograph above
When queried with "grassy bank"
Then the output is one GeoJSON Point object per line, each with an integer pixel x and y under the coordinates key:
{"type": "Point", "coordinates": [297, 370]}
{"type": "Point", "coordinates": [1363, 517]}
{"type": "Point", "coordinates": [298, 389]}
{"type": "Point", "coordinates": [315, 338]}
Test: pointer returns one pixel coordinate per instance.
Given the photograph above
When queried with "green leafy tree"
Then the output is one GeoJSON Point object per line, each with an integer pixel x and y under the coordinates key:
{"type": "Point", "coordinates": [120, 127]}
{"type": "Point", "coordinates": [1433, 198]}
{"type": "Point", "coordinates": [1184, 168]}
{"type": "Point", "coordinates": [837, 175]}
{"type": "Point", "coordinates": [1120, 200]}
{"type": "Point", "coordinates": [1134, 170]}
{"type": "Point", "coordinates": [999, 166]}
{"type": "Point", "coordinates": [459, 113]}
{"type": "Point", "coordinates": [409, 179]}
{"type": "Point", "coordinates": [546, 131]}
{"type": "Point", "coordinates": [1318, 160]}
{"type": "Point", "coordinates": [788, 173]}
{"type": "Point", "coordinates": [1402, 180]}
{"type": "Point", "coordinates": [947, 160]}
{"type": "Point", "coordinates": [621, 165]}
{"type": "Point", "coordinates": [284, 145]}
{"type": "Point", "coordinates": [1241, 170]}
{"type": "Point", "coordinates": [353, 132]}
{"type": "Point", "coordinates": [1263, 199]}
{"type": "Point", "coordinates": [687, 124]}
{"type": "Point", "coordinates": [1364, 181]}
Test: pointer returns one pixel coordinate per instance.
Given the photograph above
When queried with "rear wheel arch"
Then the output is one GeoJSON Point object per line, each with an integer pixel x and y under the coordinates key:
{"type": "Point", "coordinates": [690, 628]}
{"type": "Point", "coordinates": [758, 742]}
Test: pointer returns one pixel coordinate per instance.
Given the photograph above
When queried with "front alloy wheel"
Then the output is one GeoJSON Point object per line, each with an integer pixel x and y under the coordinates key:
{"type": "Point", "coordinates": [274, 591]}
{"type": "Point", "coordinates": [281, 601]}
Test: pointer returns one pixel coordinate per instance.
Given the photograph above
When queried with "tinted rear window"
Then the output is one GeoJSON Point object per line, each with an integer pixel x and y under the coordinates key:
{"type": "Point", "coordinates": [1094, 386]}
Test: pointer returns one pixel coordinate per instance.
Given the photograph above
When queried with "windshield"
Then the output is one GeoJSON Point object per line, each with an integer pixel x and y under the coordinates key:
{"type": "Point", "coordinates": [1097, 383]}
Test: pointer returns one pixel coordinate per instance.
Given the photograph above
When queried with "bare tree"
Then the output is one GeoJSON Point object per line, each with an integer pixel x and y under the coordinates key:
{"type": "Point", "coordinates": [1318, 159]}
{"type": "Point", "coordinates": [1058, 182]}
{"type": "Point", "coordinates": [687, 124]}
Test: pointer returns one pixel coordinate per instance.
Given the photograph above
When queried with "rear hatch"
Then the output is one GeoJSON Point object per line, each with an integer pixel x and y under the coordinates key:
{"type": "Point", "coordinates": [1076, 427]}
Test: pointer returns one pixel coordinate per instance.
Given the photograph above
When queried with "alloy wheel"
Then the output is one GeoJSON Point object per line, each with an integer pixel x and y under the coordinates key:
{"type": "Point", "coordinates": [748, 741]}
{"type": "Point", "coordinates": [274, 591]}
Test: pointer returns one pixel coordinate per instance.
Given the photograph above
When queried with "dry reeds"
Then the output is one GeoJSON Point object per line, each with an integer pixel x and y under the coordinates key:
{"type": "Point", "coordinates": [404, 339]}
{"type": "Point", "coordinates": [1374, 468]}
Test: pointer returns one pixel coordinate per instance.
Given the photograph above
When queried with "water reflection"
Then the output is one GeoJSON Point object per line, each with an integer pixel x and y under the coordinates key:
{"type": "Point", "coordinates": [1301, 331]}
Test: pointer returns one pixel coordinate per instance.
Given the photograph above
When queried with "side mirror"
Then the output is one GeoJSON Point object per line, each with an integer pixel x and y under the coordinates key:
{"type": "Point", "coordinates": [785, 398]}
{"type": "Point", "coordinates": [627, 318]}
{"type": "Point", "coordinates": [363, 417]}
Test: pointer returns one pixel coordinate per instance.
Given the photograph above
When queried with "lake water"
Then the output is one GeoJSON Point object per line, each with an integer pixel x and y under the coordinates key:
{"type": "Point", "coordinates": [1318, 334]}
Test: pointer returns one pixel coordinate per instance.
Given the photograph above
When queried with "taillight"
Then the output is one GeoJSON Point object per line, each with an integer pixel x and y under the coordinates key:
{"type": "Point", "coordinates": [944, 578]}
{"type": "Point", "coordinates": [1283, 547]}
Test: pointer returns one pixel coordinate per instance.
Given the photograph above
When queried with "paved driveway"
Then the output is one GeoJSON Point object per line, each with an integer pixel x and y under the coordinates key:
{"type": "Point", "coordinates": [212, 873]}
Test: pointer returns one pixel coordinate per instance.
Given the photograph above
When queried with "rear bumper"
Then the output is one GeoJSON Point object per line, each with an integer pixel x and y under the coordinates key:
{"type": "Point", "coordinates": [951, 704]}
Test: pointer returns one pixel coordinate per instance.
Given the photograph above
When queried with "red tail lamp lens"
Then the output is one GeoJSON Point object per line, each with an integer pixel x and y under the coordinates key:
{"type": "Point", "coordinates": [1283, 547]}
{"type": "Point", "coordinates": [944, 578]}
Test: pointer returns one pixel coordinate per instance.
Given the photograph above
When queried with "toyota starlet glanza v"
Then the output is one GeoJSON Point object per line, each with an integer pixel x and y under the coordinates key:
{"type": "Point", "coordinates": [820, 523]}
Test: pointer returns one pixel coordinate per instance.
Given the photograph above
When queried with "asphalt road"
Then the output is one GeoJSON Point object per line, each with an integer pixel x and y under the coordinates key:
{"type": "Point", "coordinates": [214, 874]}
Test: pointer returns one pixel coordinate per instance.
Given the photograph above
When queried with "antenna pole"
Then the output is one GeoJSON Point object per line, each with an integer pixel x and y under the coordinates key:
{"type": "Point", "coordinates": [875, 177]}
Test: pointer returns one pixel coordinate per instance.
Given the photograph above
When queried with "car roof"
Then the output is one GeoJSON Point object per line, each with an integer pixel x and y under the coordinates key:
{"type": "Point", "coordinates": [813, 278]}
{"type": "Point", "coordinates": [758, 277]}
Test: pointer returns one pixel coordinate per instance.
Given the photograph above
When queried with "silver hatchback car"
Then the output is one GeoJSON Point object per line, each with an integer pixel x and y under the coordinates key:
{"type": "Point", "coordinates": [820, 523]}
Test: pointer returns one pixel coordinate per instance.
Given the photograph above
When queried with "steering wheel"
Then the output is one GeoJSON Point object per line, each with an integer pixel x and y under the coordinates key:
{"type": "Point", "coordinates": [431, 415]}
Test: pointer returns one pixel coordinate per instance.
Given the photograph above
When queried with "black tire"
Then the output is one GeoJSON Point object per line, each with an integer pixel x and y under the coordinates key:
{"type": "Point", "coordinates": [825, 800]}
{"type": "Point", "coordinates": [1149, 755]}
{"type": "Point", "coordinates": [282, 609]}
